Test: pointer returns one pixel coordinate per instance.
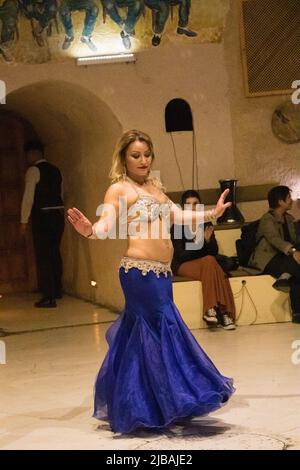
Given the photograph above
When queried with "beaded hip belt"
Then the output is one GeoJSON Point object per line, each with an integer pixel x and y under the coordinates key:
{"type": "Point", "coordinates": [145, 265]}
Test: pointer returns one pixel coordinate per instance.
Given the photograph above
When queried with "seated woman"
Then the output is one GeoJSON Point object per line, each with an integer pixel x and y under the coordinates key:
{"type": "Point", "coordinates": [200, 264]}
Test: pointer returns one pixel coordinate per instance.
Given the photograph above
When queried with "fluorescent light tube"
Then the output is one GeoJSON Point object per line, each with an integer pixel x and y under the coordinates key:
{"type": "Point", "coordinates": [106, 59]}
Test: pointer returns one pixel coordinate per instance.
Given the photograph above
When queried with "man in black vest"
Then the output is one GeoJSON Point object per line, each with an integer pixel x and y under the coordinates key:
{"type": "Point", "coordinates": [42, 200]}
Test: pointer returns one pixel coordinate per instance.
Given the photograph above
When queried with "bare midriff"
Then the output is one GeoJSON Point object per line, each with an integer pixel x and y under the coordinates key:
{"type": "Point", "coordinates": [158, 249]}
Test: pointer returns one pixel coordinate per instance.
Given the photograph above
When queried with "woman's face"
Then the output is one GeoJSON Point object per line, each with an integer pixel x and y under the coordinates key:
{"type": "Point", "coordinates": [138, 159]}
{"type": "Point", "coordinates": [193, 201]}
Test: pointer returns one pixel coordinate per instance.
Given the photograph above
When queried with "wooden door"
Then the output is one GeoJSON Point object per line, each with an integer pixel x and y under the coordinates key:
{"type": "Point", "coordinates": [17, 266]}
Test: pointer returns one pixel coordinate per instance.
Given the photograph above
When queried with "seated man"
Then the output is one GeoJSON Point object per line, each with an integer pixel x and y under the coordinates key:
{"type": "Point", "coordinates": [43, 12]}
{"type": "Point", "coordinates": [127, 25]}
{"type": "Point", "coordinates": [162, 10]}
{"type": "Point", "coordinates": [91, 8]}
{"type": "Point", "coordinates": [8, 23]}
{"type": "Point", "coordinates": [277, 252]}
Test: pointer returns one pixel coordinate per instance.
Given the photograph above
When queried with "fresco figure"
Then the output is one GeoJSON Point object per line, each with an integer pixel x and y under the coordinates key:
{"type": "Point", "coordinates": [127, 25]}
{"type": "Point", "coordinates": [9, 10]}
{"type": "Point", "coordinates": [43, 12]}
{"type": "Point", "coordinates": [161, 12]}
{"type": "Point", "coordinates": [91, 9]}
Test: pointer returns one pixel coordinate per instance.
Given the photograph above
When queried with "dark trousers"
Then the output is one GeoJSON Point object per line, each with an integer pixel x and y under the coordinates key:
{"type": "Point", "coordinates": [8, 17]}
{"type": "Point", "coordinates": [286, 264]}
{"type": "Point", "coordinates": [162, 8]}
{"type": "Point", "coordinates": [43, 14]}
{"type": "Point", "coordinates": [47, 230]}
{"type": "Point", "coordinates": [133, 13]}
{"type": "Point", "coordinates": [91, 14]}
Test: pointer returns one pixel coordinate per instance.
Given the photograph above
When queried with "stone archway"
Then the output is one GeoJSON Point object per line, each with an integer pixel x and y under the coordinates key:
{"type": "Point", "coordinates": [79, 131]}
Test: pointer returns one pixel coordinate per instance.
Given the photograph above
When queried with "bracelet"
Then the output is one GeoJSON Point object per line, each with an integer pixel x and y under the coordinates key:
{"type": "Point", "coordinates": [92, 235]}
{"type": "Point", "coordinates": [210, 215]}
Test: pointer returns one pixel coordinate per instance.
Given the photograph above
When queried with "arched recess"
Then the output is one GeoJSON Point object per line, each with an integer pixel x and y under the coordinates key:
{"type": "Point", "coordinates": [79, 131]}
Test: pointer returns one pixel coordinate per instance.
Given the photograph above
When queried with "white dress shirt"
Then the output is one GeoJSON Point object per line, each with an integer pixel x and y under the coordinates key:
{"type": "Point", "coordinates": [32, 177]}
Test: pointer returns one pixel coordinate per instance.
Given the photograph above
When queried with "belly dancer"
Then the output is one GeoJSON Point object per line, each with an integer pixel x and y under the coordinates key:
{"type": "Point", "coordinates": [154, 372]}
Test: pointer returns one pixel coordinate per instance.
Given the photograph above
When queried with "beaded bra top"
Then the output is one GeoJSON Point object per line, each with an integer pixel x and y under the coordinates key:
{"type": "Point", "coordinates": [147, 208]}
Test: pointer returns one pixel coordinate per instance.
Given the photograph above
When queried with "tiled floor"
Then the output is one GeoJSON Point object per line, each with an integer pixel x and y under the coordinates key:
{"type": "Point", "coordinates": [52, 357]}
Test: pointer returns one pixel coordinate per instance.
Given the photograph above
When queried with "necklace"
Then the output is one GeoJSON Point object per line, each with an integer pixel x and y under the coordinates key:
{"type": "Point", "coordinates": [135, 182]}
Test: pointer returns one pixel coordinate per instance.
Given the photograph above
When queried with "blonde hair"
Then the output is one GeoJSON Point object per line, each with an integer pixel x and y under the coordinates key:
{"type": "Point", "coordinates": [118, 167]}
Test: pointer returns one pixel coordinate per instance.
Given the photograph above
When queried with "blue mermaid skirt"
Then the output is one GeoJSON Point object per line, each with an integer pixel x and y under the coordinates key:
{"type": "Point", "coordinates": [155, 372]}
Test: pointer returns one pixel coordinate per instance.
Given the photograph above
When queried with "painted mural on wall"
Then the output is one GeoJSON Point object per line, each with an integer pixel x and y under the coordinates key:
{"type": "Point", "coordinates": [36, 31]}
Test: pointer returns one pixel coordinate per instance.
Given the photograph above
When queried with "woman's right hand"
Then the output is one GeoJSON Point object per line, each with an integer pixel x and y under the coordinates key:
{"type": "Point", "coordinates": [80, 222]}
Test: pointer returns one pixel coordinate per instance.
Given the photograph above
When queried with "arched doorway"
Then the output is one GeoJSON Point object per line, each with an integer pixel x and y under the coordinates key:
{"type": "Point", "coordinates": [79, 131]}
{"type": "Point", "coordinates": [17, 272]}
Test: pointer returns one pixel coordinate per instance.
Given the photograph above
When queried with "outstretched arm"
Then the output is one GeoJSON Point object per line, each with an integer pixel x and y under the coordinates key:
{"type": "Point", "coordinates": [106, 222]}
{"type": "Point", "coordinates": [189, 217]}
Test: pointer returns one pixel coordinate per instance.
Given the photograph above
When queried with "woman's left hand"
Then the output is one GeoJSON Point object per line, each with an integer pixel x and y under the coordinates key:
{"type": "Point", "coordinates": [221, 205]}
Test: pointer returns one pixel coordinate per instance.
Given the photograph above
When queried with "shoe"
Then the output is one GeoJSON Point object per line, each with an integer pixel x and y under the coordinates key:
{"type": "Point", "coordinates": [59, 295]}
{"type": "Point", "coordinates": [210, 317]}
{"type": "Point", "coordinates": [6, 53]}
{"type": "Point", "coordinates": [45, 303]}
{"type": "Point", "coordinates": [227, 323]}
{"type": "Point", "coordinates": [187, 32]}
{"type": "Point", "coordinates": [212, 326]}
{"type": "Point", "coordinates": [88, 41]}
{"type": "Point", "coordinates": [37, 30]}
{"type": "Point", "coordinates": [156, 40]}
{"type": "Point", "coordinates": [126, 40]}
{"type": "Point", "coordinates": [67, 42]}
{"type": "Point", "coordinates": [296, 317]}
{"type": "Point", "coordinates": [282, 285]}
{"type": "Point", "coordinates": [39, 40]}
{"type": "Point", "coordinates": [37, 34]}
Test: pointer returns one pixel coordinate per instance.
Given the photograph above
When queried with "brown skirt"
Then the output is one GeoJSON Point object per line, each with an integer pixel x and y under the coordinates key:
{"type": "Point", "coordinates": [215, 285]}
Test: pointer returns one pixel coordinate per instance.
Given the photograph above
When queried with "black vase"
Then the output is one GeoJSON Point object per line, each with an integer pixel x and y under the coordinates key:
{"type": "Point", "coordinates": [232, 215]}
